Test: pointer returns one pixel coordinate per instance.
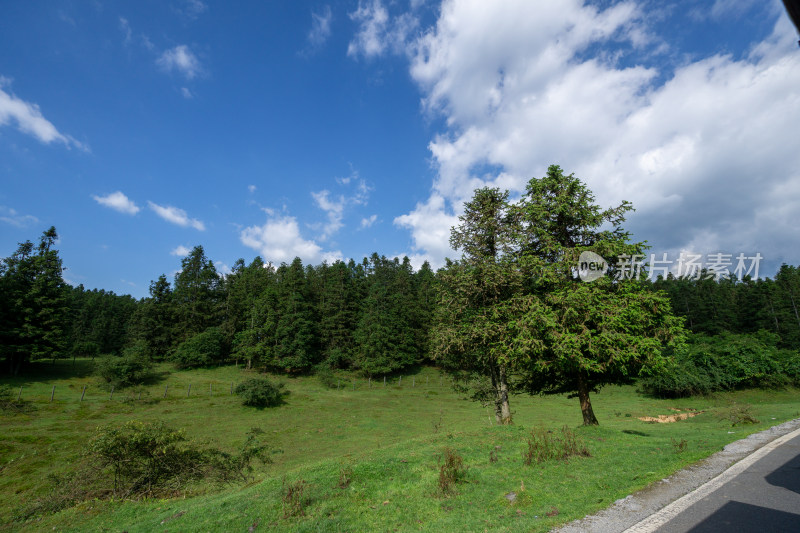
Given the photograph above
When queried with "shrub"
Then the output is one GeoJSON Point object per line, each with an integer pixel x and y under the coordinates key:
{"type": "Point", "coordinates": [326, 376]}
{"type": "Point", "coordinates": [131, 368]}
{"type": "Point", "coordinates": [451, 471]}
{"type": "Point", "coordinates": [203, 349]}
{"type": "Point", "coordinates": [260, 392]}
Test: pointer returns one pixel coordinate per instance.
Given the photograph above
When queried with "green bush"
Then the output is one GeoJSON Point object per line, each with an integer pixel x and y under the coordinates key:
{"type": "Point", "coordinates": [260, 392]}
{"type": "Point", "coordinates": [725, 362]}
{"type": "Point", "coordinates": [203, 349]}
{"type": "Point", "coordinates": [326, 376]}
{"type": "Point", "coordinates": [130, 368]}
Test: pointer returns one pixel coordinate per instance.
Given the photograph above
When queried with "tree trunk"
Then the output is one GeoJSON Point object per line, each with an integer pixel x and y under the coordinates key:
{"type": "Point", "coordinates": [586, 405]}
{"type": "Point", "coordinates": [502, 411]}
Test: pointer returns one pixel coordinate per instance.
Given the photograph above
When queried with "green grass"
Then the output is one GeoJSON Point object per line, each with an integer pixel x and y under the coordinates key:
{"type": "Point", "coordinates": [388, 439]}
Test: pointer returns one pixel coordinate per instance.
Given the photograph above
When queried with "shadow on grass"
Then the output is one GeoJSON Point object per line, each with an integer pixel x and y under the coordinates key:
{"type": "Point", "coordinates": [634, 432]}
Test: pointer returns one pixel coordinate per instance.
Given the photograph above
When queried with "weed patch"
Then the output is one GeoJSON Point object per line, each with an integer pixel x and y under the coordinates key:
{"type": "Point", "coordinates": [544, 445]}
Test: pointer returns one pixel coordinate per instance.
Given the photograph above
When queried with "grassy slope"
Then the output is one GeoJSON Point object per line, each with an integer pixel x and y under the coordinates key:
{"type": "Point", "coordinates": [387, 436]}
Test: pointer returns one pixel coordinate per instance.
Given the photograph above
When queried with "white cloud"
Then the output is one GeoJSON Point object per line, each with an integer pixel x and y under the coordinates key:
{"type": "Point", "coordinates": [193, 8]}
{"type": "Point", "coordinates": [118, 202]}
{"type": "Point", "coordinates": [369, 221]}
{"type": "Point", "coordinates": [10, 216]}
{"type": "Point", "coordinates": [29, 119]}
{"type": "Point", "coordinates": [251, 189]}
{"type": "Point", "coordinates": [320, 27]}
{"type": "Point", "coordinates": [180, 59]}
{"type": "Point", "coordinates": [181, 251]}
{"type": "Point", "coordinates": [378, 32]}
{"type": "Point", "coordinates": [125, 26]}
{"type": "Point", "coordinates": [705, 151]}
{"type": "Point", "coordinates": [335, 207]}
{"type": "Point", "coordinates": [176, 216]}
{"type": "Point", "coordinates": [279, 240]}
{"type": "Point", "coordinates": [186, 93]}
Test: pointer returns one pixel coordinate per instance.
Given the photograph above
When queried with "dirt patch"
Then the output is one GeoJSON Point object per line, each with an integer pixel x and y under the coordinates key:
{"type": "Point", "coordinates": [682, 414]}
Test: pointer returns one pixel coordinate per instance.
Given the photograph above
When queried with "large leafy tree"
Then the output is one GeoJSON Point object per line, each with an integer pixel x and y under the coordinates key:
{"type": "Point", "coordinates": [607, 331]}
{"type": "Point", "coordinates": [471, 339]}
{"type": "Point", "coordinates": [514, 310]}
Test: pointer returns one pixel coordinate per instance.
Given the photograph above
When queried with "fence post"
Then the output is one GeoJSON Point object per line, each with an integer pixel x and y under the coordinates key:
{"type": "Point", "coordinates": [414, 381]}
{"type": "Point", "coordinates": [400, 382]}
{"type": "Point", "coordinates": [384, 381]}
{"type": "Point", "coordinates": [83, 392]}
{"type": "Point", "coordinates": [20, 394]}
{"type": "Point", "coordinates": [369, 380]}
{"type": "Point", "coordinates": [52, 394]}
{"type": "Point", "coordinates": [354, 384]}
{"type": "Point", "coordinates": [211, 389]}
{"type": "Point", "coordinates": [188, 392]}
{"type": "Point", "coordinates": [112, 394]}
{"type": "Point", "coordinates": [165, 390]}
{"type": "Point", "coordinates": [139, 396]}
{"type": "Point", "coordinates": [231, 388]}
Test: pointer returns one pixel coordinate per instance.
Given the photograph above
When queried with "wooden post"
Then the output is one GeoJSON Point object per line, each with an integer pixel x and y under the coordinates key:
{"type": "Point", "coordinates": [369, 380]}
{"type": "Point", "coordinates": [20, 394]}
{"type": "Point", "coordinates": [189, 391]}
{"type": "Point", "coordinates": [337, 384]}
{"type": "Point", "coordinates": [414, 381]}
{"type": "Point", "coordinates": [211, 389]}
{"type": "Point", "coordinates": [400, 381]}
{"type": "Point", "coordinates": [165, 390]}
{"type": "Point", "coordinates": [83, 392]}
{"type": "Point", "coordinates": [139, 396]}
{"type": "Point", "coordinates": [384, 381]}
{"type": "Point", "coordinates": [112, 394]}
{"type": "Point", "coordinates": [354, 384]}
{"type": "Point", "coordinates": [231, 388]}
{"type": "Point", "coordinates": [52, 394]}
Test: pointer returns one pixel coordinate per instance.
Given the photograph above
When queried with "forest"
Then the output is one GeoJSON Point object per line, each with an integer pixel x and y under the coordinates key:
{"type": "Point", "coordinates": [376, 317]}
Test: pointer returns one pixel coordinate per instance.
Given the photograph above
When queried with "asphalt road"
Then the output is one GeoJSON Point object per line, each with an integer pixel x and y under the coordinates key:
{"type": "Point", "coordinates": [753, 484]}
{"type": "Point", "coordinates": [763, 498]}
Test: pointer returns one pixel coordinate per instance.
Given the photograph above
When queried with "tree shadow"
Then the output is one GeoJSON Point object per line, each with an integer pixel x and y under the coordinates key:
{"type": "Point", "coordinates": [634, 432]}
{"type": "Point", "coordinates": [787, 476]}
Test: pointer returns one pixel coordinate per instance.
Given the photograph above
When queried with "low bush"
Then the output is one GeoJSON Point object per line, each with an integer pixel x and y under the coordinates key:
{"type": "Point", "coordinates": [293, 498]}
{"type": "Point", "coordinates": [261, 392]}
{"type": "Point", "coordinates": [143, 460]}
{"type": "Point", "coordinates": [131, 368]}
{"type": "Point", "coordinates": [203, 349]}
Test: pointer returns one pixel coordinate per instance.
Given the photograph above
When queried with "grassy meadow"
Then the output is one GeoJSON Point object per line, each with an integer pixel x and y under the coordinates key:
{"type": "Point", "coordinates": [363, 459]}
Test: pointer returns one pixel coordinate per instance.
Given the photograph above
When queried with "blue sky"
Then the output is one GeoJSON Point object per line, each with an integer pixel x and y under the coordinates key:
{"type": "Point", "coordinates": [334, 129]}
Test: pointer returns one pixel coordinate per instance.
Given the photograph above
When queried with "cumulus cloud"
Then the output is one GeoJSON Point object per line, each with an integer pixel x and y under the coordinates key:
{"type": "Point", "coordinates": [29, 119]}
{"type": "Point", "coordinates": [118, 202]}
{"type": "Point", "coordinates": [180, 59]}
{"type": "Point", "coordinates": [705, 150]}
{"type": "Point", "coordinates": [279, 240]}
{"type": "Point", "coordinates": [378, 31]}
{"type": "Point", "coordinates": [176, 216]}
{"type": "Point", "coordinates": [181, 251]}
{"type": "Point", "coordinates": [11, 216]}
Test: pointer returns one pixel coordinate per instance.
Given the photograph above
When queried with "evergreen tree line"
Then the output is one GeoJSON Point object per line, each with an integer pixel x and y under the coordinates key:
{"type": "Point", "coordinates": [373, 316]}
{"type": "Point", "coordinates": [712, 305]}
